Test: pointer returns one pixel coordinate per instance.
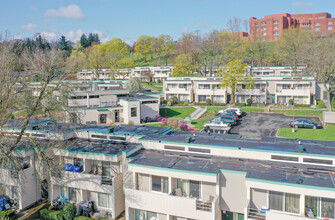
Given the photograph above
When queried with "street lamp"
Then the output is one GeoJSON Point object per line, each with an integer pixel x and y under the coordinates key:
{"type": "Point", "coordinates": [293, 129]}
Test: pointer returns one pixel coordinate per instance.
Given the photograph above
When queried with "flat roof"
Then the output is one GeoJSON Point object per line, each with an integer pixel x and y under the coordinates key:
{"type": "Point", "coordinates": [280, 145]}
{"type": "Point", "coordinates": [102, 147]}
{"type": "Point", "coordinates": [280, 172]}
{"type": "Point", "coordinates": [102, 92]}
{"type": "Point", "coordinates": [125, 129]}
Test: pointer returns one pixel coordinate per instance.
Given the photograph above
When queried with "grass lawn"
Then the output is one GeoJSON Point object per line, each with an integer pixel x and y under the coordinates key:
{"type": "Point", "coordinates": [155, 125]}
{"type": "Point", "coordinates": [317, 113]}
{"type": "Point", "coordinates": [326, 134]}
{"type": "Point", "coordinates": [24, 113]}
{"type": "Point", "coordinates": [154, 87]}
{"type": "Point", "coordinates": [181, 112]}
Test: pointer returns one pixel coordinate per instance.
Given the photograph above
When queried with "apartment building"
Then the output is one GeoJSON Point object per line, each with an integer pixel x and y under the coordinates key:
{"type": "Point", "coordinates": [157, 173]}
{"type": "Point", "coordinates": [271, 27]}
{"type": "Point", "coordinates": [272, 85]}
{"type": "Point", "coordinates": [145, 74]}
{"type": "Point", "coordinates": [112, 106]}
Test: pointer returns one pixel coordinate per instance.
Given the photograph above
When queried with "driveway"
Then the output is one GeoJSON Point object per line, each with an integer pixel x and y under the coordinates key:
{"type": "Point", "coordinates": [256, 125]}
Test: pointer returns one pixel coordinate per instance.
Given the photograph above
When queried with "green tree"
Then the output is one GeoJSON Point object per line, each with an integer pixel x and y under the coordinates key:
{"type": "Point", "coordinates": [65, 45]}
{"type": "Point", "coordinates": [120, 64]}
{"type": "Point", "coordinates": [183, 66]}
{"type": "Point", "coordinates": [134, 85]}
{"type": "Point", "coordinates": [116, 45]}
{"type": "Point", "coordinates": [166, 46]}
{"type": "Point", "coordinates": [84, 41]}
{"type": "Point", "coordinates": [96, 59]}
{"type": "Point", "coordinates": [143, 47]}
{"type": "Point", "coordinates": [232, 74]}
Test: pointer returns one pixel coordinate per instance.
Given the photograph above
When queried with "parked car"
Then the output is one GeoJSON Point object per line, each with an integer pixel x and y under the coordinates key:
{"type": "Point", "coordinates": [228, 114]}
{"type": "Point", "coordinates": [303, 123]}
{"type": "Point", "coordinates": [238, 111]}
{"type": "Point", "coordinates": [216, 124]}
{"type": "Point", "coordinates": [225, 119]}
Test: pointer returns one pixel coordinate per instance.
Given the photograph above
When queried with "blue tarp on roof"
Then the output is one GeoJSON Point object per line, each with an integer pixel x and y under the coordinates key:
{"type": "Point", "coordinates": [3, 202]}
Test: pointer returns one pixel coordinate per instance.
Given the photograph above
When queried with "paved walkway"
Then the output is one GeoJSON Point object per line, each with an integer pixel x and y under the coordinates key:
{"type": "Point", "coordinates": [198, 112]}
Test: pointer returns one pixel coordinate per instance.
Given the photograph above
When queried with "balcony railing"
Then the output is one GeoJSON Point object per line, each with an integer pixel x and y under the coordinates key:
{"type": "Point", "coordinates": [290, 92]}
{"type": "Point", "coordinates": [251, 91]}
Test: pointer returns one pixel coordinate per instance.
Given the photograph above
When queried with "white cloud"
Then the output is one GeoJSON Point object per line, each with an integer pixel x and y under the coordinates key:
{"type": "Point", "coordinates": [50, 35]}
{"type": "Point", "coordinates": [70, 11]}
{"type": "Point", "coordinates": [302, 4]}
{"type": "Point", "coordinates": [73, 35]}
{"type": "Point", "coordinates": [29, 27]}
{"type": "Point", "coordinates": [17, 37]}
{"type": "Point", "coordinates": [185, 30]}
{"type": "Point", "coordinates": [203, 24]}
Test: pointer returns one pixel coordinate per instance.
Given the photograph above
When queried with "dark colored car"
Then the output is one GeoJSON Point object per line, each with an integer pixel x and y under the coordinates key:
{"type": "Point", "coordinates": [225, 119]}
{"type": "Point", "coordinates": [303, 123]}
{"type": "Point", "coordinates": [227, 114]}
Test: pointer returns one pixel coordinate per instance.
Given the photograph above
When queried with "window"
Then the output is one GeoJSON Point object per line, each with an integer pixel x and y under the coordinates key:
{"type": "Point", "coordinates": [159, 184]}
{"type": "Point", "coordinates": [69, 193]}
{"type": "Point", "coordinates": [275, 33]}
{"type": "Point", "coordinates": [174, 148]}
{"type": "Point", "coordinates": [103, 118]}
{"type": "Point", "coordinates": [276, 200]}
{"type": "Point", "coordinates": [133, 112]}
{"type": "Point", "coordinates": [202, 98]}
{"type": "Point", "coordinates": [105, 200]}
{"type": "Point", "coordinates": [276, 22]}
{"type": "Point", "coordinates": [327, 208]}
{"type": "Point", "coordinates": [330, 28]}
{"type": "Point", "coordinates": [330, 23]}
{"type": "Point", "coordinates": [292, 203]}
{"type": "Point", "coordinates": [216, 86]}
{"type": "Point", "coordinates": [275, 28]}
{"type": "Point", "coordinates": [317, 161]}
{"type": "Point", "coordinates": [194, 189]}
{"type": "Point", "coordinates": [189, 188]}
{"type": "Point", "coordinates": [284, 202]}
{"type": "Point", "coordinates": [263, 28]}
{"type": "Point", "coordinates": [256, 29]}
{"type": "Point", "coordinates": [317, 29]}
{"type": "Point", "coordinates": [317, 24]}
{"type": "Point", "coordinates": [264, 23]}
{"type": "Point", "coordinates": [204, 86]}
{"type": "Point", "coordinates": [264, 34]}
{"type": "Point", "coordinates": [78, 162]}
{"type": "Point", "coordinates": [284, 158]}
{"type": "Point", "coordinates": [256, 23]}
{"type": "Point", "coordinates": [316, 207]}
{"type": "Point", "coordinates": [145, 215]}
{"type": "Point", "coordinates": [149, 102]}
{"type": "Point", "coordinates": [275, 38]}
{"type": "Point", "coordinates": [199, 150]}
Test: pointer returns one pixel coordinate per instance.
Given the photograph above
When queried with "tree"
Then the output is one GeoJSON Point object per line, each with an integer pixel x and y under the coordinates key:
{"type": "Point", "coordinates": [320, 57]}
{"type": "Point", "coordinates": [134, 85]}
{"type": "Point", "coordinates": [96, 59]}
{"type": "Point", "coordinates": [183, 66]}
{"type": "Point", "coordinates": [84, 41]}
{"type": "Point", "coordinates": [65, 45]}
{"type": "Point", "coordinates": [143, 47]}
{"type": "Point", "coordinates": [120, 64]}
{"type": "Point", "coordinates": [257, 52]}
{"type": "Point", "coordinates": [232, 74]}
{"type": "Point", "coordinates": [116, 45]}
{"type": "Point", "coordinates": [290, 47]}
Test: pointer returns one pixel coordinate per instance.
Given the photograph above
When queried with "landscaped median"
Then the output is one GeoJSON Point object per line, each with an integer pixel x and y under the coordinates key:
{"type": "Point", "coordinates": [326, 134]}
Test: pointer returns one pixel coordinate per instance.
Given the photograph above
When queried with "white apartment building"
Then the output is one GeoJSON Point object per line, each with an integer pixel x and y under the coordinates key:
{"type": "Point", "coordinates": [111, 106]}
{"type": "Point", "coordinates": [145, 74]}
{"type": "Point", "coordinates": [157, 173]}
{"type": "Point", "coordinates": [267, 89]}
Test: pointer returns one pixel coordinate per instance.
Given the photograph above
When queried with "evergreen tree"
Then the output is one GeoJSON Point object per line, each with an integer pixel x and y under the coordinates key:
{"type": "Point", "coordinates": [84, 41]}
{"type": "Point", "coordinates": [90, 39]}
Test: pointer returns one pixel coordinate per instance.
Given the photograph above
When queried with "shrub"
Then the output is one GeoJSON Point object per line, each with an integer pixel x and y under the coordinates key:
{"type": "Point", "coordinates": [8, 214]}
{"type": "Point", "coordinates": [249, 102]}
{"type": "Point", "coordinates": [69, 211]}
{"type": "Point", "coordinates": [56, 215]}
{"type": "Point", "coordinates": [240, 104]}
{"type": "Point", "coordinates": [183, 127]}
{"type": "Point", "coordinates": [164, 121]}
{"type": "Point", "coordinates": [164, 102]}
{"type": "Point", "coordinates": [169, 103]}
{"type": "Point", "coordinates": [291, 101]}
{"type": "Point", "coordinates": [219, 104]}
{"type": "Point", "coordinates": [174, 99]}
{"type": "Point", "coordinates": [301, 105]}
{"type": "Point", "coordinates": [44, 213]}
{"type": "Point", "coordinates": [208, 102]}
{"type": "Point", "coordinates": [82, 218]}
{"type": "Point", "coordinates": [200, 103]}
{"type": "Point", "coordinates": [185, 103]}
{"type": "Point", "coordinates": [159, 81]}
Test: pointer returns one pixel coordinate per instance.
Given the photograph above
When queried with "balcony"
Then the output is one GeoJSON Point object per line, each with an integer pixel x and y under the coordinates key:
{"type": "Point", "coordinates": [250, 91]}
{"type": "Point", "coordinates": [293, 92]}
{"type": "Point", "coordinates": [169, 204]}
{"type": "Point", "coordinates": [178, 90]}
{"type": "Point", "coordinates": [83, 180]}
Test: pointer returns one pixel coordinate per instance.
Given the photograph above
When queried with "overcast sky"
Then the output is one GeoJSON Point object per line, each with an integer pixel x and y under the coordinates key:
{"type": "Point", "coordinates": [127, 19]}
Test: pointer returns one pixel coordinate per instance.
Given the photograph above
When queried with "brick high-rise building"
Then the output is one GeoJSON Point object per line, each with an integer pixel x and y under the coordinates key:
{"type": "Point", "coordinates": [270, 27]}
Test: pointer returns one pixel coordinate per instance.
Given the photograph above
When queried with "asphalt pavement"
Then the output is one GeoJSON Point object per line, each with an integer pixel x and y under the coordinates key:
{"type": "Point", "coordinates": [256, 125]}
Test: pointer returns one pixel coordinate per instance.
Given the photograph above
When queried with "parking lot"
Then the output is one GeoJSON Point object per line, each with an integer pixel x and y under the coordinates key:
{"type": "Point", "coordinates": [256, 125]}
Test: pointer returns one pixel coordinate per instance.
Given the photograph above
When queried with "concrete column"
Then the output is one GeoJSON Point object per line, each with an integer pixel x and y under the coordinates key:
{"type": "Point", "coordinates": [88, 100]}
{"type": "Point", "coordinates": [302, 205]}
{"type": "Point", "coordinates": [170, 185]}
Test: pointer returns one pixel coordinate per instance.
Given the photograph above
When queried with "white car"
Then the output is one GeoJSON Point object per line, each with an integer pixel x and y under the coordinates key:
{"type": "Point", "coordinates": [216, 124]}
{"type": "Point", "coordinates": [238, 111]}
